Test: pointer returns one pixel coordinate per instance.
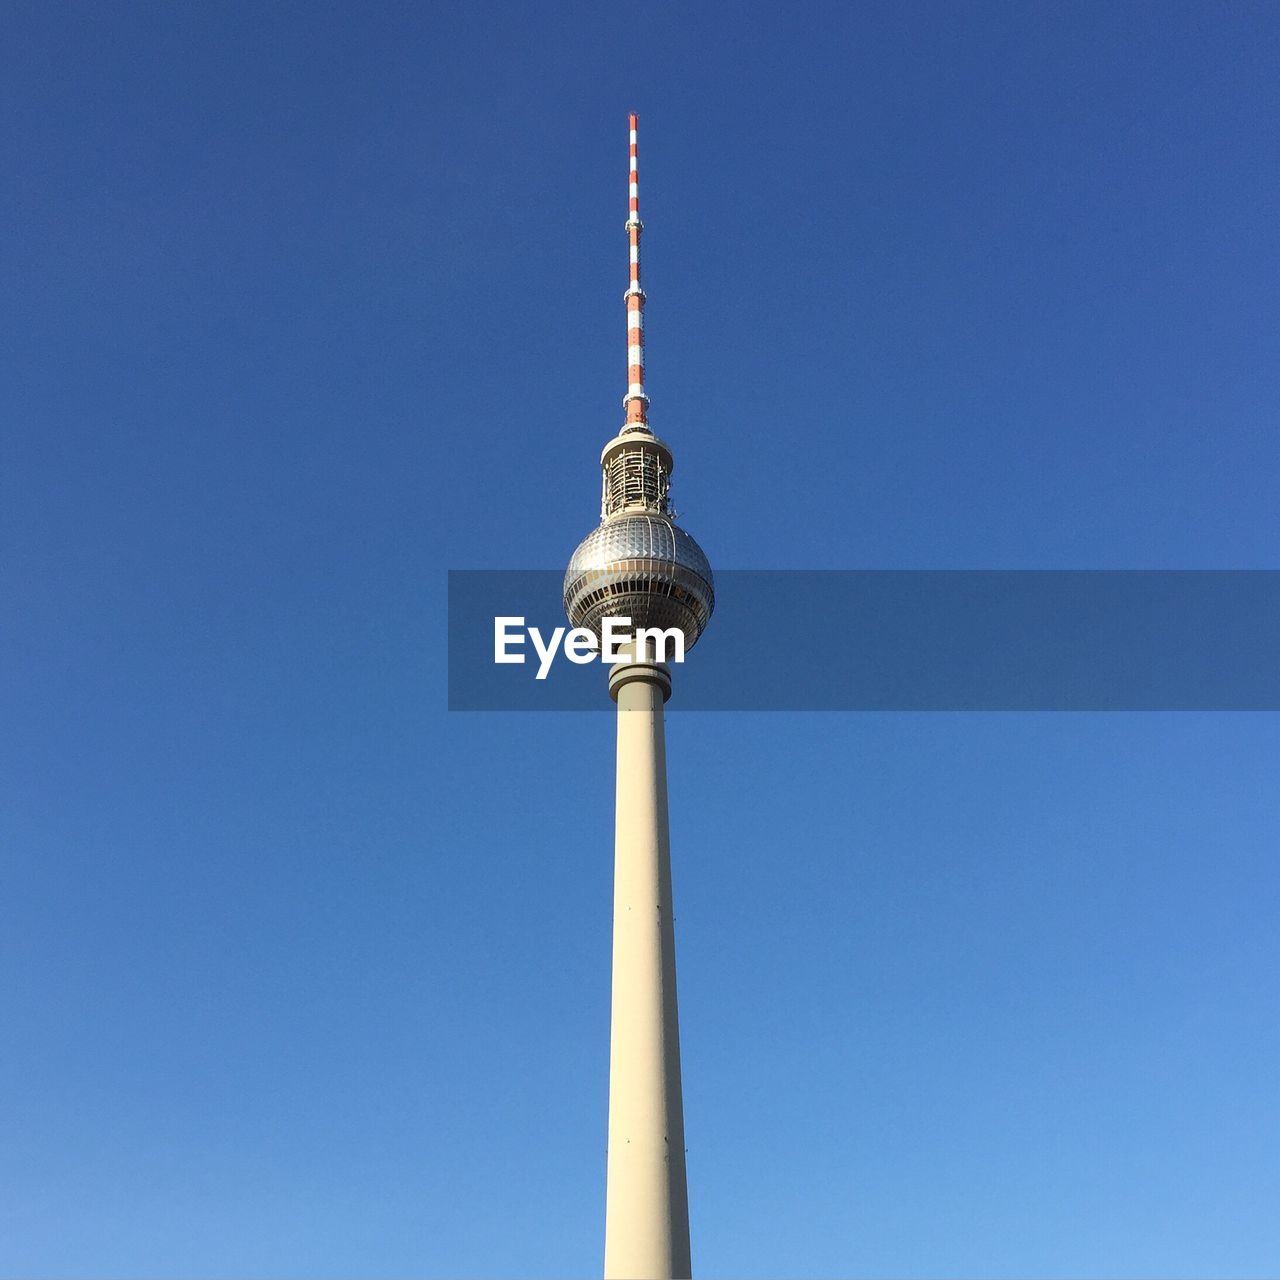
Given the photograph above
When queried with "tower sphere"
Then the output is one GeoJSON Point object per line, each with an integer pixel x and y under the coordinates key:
{"type": "Point", "coordinates": [644, 567]}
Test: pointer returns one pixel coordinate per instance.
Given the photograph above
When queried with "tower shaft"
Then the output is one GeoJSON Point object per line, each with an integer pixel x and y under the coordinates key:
{"type": "Point", "coordinates": [647, 1203]}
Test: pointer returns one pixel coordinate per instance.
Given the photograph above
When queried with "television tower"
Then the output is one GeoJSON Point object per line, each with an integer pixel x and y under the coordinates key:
{"type": "Point", "coordinates": [639, 564]}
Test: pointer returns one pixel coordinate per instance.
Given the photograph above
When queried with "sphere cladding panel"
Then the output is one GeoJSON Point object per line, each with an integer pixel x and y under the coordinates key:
{"type": "Point", "coordinates": [644, 568]}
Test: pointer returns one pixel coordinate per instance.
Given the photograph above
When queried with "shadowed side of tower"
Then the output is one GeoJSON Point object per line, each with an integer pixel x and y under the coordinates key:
{"type": "Point", "coordinates": [640, 565]}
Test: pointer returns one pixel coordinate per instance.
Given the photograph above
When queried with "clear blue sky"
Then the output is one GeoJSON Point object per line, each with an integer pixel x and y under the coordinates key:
{"type": "Point", "coordinates": [300, 975]}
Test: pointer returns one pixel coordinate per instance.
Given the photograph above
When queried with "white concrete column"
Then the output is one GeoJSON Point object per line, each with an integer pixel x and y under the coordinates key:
{"type": "Point", "coordinates": [646, 1235]}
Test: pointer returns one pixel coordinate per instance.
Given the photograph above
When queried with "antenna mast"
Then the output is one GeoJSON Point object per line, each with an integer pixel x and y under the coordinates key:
{"type": "Point", "coordinates": [635, 401]}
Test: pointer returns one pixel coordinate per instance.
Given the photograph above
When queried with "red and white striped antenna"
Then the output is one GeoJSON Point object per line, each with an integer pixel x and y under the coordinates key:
{"type": "Point", "coordinates": [635, 401]}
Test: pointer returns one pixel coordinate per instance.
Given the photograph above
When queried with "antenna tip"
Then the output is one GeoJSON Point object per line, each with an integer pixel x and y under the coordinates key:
{"type": "Point", "coordinates": [632, 119]}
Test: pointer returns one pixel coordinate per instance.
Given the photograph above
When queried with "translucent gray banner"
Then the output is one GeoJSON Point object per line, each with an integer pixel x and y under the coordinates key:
{"type": "Point", "coordinates": [817, 640]}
